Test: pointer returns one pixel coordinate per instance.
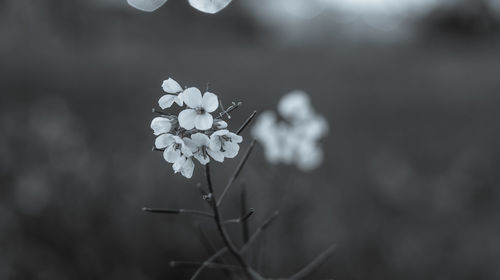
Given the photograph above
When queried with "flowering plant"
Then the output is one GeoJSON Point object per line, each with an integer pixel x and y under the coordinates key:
{"type": "Point", "coordinates": [195, 133]}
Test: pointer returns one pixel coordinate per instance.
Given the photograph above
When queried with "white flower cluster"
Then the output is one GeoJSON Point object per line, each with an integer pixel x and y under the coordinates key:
{"type": "Point", "coordinates": [206, 6]}
{"type": "Point", "coordinates": [293, 137]}
{"type": "Point", "coordinates": [194, 133]}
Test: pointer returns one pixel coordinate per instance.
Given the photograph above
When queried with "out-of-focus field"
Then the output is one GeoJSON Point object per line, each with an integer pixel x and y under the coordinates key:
{"type": "Point", "coordinates": [408, 188]}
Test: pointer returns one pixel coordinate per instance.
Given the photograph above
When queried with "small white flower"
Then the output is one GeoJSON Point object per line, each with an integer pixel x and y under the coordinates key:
{"type": "Point", "coordinates": [161, 125]}
{"type": "Point", "coordinates": [202, 149]}
{"type": "Point", "coordinates": [185, 165]}
{"type": "Point", "coordinates": [175, 94]}
{"type": "Point", "coordinates": [198, 114]}
{"type": "Point", "coordinates": [176, 152]}
{"type": "Point", "coordinates": [174, 147]}
{"type": "Point", "coordinates": [225, 142]}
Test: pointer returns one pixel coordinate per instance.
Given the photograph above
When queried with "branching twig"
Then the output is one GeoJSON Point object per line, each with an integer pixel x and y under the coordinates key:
{"type": "Point", "coordinates": [218, 222]}
{"type": "Point", "coordinates": [210, 247]}
{"type": "Point", "coordinates": [241, 219]}
{"type": "Point", "coordinates": [258, 231]}
{"type": "Point", "coordinates": [178, 211]}
{"type": "Point", "coordinates": [313, 265]}
{"type": "Point", "coordinates": [206, 264]}
{"type": "Point", "coordinates": [247, 121]}
{"type": "Point", "coordinates": [159, 112]}
{"type": "Point", "coordinates": [209, 260]}
{"type": "Point", "coordinates": [236, 172]}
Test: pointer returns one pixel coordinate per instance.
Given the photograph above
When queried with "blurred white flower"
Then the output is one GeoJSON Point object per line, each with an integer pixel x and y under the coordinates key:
{"type": "Point", "coordinates": [295, 138]}
{"type": "Point", "coordinates": [209, 6]}
{"type": "Point", "coordinates": [295, 105]}
{"type": "Point", "coordinates": [206, 6]}
{"type": "Point", "coordinates": [225, 142]}
{"type": "Point", "coordinates": [161, 125]}
{"type": "Point", "coordinates": [146, 5]}
{"type": "Point", "coordinates": [200, 108]}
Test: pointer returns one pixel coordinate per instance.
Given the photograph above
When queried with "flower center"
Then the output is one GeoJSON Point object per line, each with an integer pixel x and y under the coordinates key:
{"type": "Point", "coordinates": [200, 110]}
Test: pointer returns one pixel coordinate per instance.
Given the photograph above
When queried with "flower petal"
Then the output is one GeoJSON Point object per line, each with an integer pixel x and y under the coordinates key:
{"type": "Point", "coordinates": [163, 141]}
{"type": "Point", "coordinates": [220, 124]}
{"type": "Point", "coordinates": [231, 149]}
{"type": "Point", "coordinates": [171, 86]}
{"type": "Point", "coordinates": [203, 159]}
{"type": "Point", "coordinates": [209, 6]}
{"type": "Point", "coordinates": [167, 100]}
{"type": "Point", "coordinates": [192, 97]}
{"type": "Point", "coordinates": [171, 154]}
{"type": "Point", "coordinates": [160, 125]}
{"type": "Point", "coordinates": [177, 166]}
{"type": "Point", "coordinates": [187, 118]}
{"type": "Point", "coordinates": [216, 155]}
{"type": "Point", "coordinates": [220, 133]}
{"type": "Point", "coordinates": [187, 168]}
{"type": "Point", "coordinates": [189, 147]}
{"type": "Point", "coordinates": [203, 121]}
{"type": "Point", "coordinates": [295, 105]}
{"type": "Point", "coordinates": [235, 138]}
{"type": "Point", "coordinates": [215, 143]}
{"type": "Point", "coordinates": [200, 139]}
{"type": "Point", "coordinates": [146, 5]}
{"type": "Point", "coordinates": [210, 102]}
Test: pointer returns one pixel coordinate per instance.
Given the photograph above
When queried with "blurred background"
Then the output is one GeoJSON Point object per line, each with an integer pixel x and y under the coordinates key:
{"type": "Point", "coordinates": [408, 188]}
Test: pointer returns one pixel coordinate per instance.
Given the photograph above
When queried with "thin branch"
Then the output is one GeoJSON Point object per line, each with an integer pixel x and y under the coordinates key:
{"type": "Point", "coordinates": [245, 229]}
{"type": "Point", "coordinates": [209, 246]}
{"type": "Point", "coordinates": [218, 222]}
{"type": "Point", "coordinates": [206, 264]}
{"type": "Point", "coordinates": [240, 219]}
{"type": "Point", "coordinates": [178, 211]}
{"type": "Point", "coordinates": [313, 265]}
{"type": "Point", "coordinates": [259, 231]}
{"type": "Point", "coordinates": [159, 112]}
{"type": "Point", "coordinates": [209, 260]}
{"type": "Point", "coordinates": [236, 172]}
{"type": "Point", "coordinates": [248, 120]}
{"type": "Point", "coordinates": [201, 190]}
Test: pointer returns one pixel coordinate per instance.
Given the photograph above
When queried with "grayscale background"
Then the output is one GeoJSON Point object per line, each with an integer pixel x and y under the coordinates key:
{"type": "Point", "coordinates": [409, 187]}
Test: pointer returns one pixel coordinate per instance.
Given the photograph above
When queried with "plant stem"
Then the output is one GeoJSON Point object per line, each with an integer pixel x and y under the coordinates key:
{"type": "Point", "coordinates": [245, 230]}
{"type": "Point", "coordinates": [247, 121]}
{"type": "Point", "coordinates": [178, 211]}
{"type": "Point", "coordinates": [236, 172]}
{"type": "Point", "coordinates": [313, 265]}
{"type": "Point", "coordinates": [218, 221]}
